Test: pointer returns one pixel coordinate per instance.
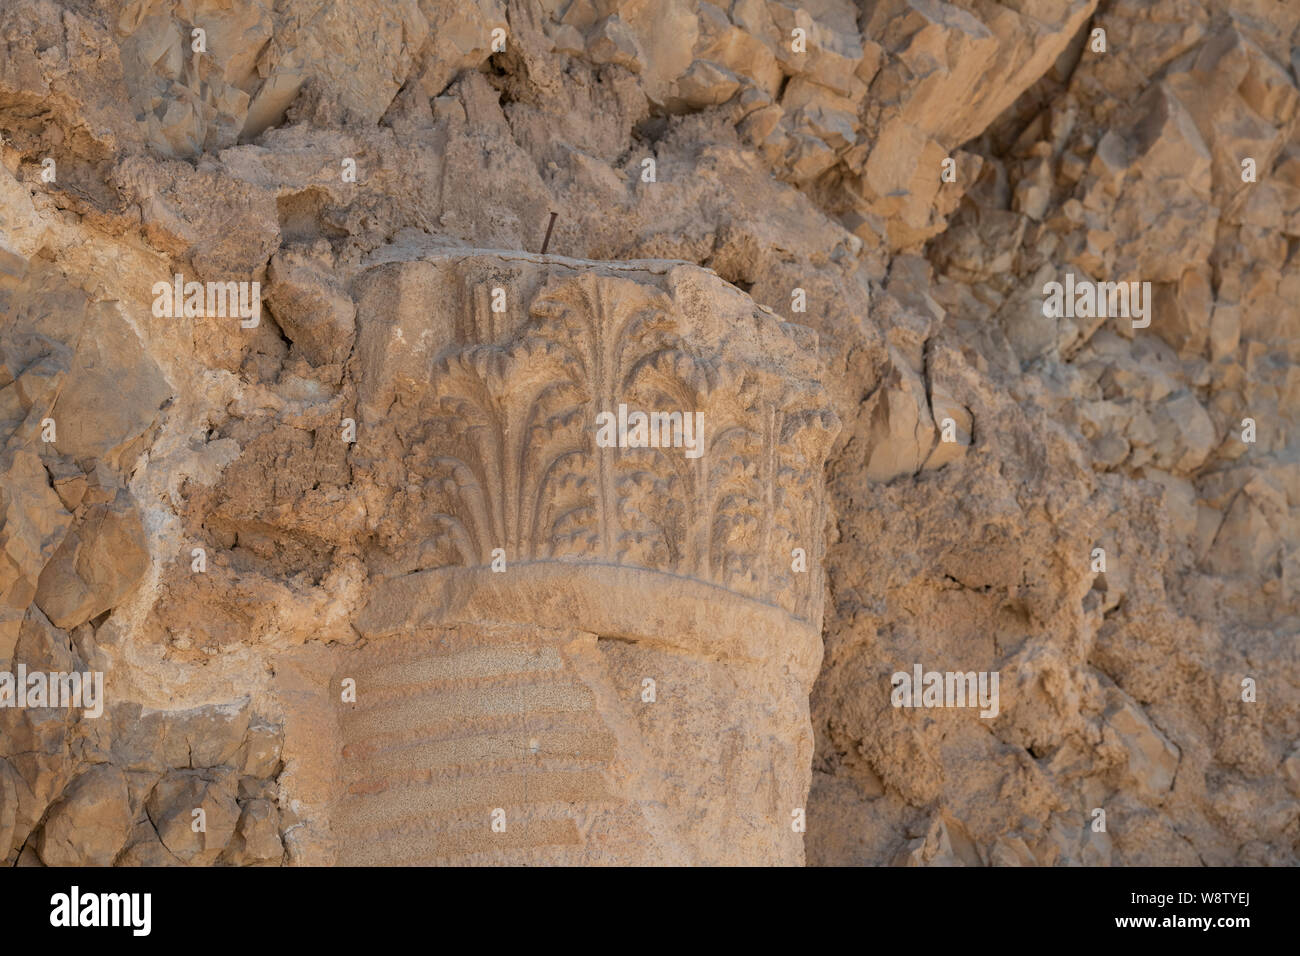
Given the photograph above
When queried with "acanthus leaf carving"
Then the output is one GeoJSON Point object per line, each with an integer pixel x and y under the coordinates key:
{"type": "Point", "coordinates": [510, 458]}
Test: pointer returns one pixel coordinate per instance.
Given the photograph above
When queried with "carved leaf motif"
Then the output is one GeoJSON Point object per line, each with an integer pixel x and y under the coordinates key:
{"type": "Point", "coordinates": [505, 453]}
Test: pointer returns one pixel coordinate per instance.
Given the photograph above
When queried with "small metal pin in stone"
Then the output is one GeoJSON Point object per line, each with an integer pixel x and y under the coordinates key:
{"type": "Point", "coordinates": [549, 226]}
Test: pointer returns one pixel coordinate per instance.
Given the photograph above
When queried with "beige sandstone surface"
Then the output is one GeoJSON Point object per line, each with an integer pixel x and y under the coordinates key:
{"type": "Point", "coordinates": [365, 589]}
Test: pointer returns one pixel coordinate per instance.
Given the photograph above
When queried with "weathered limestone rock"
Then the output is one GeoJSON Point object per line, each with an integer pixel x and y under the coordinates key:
{"type": "Point", "coordinates": [90, 823]}
{"type": "Point", "coordinates": [10, 810]}
{"type": "Point", "coordinates": [34, 523]}
{"type": "Point", "coordinates": [261, 748]}
{"type": "Point", "coordinates": [312, 310]}
{"type": "Point", "coordinates": [206, 736]}
{"type": "Point", "coordinates": [946, 843]}
{"type": "Point", "coordinates": [902, 432]}
{"type": "Point", "coordinates": [191, 836]}
{"type": "Point", "coordinates": [948, 72]}
{"type": "Point", "coordinates": [108, 360]}
{"type": "Point", "coordinates": [1152, 759]}
{"type": "Point", "coordinates": [102, 558]}
{"type": "Point", "coordinates": [145, 849]}
{"type": "Point", "coordinates": [257, 836]}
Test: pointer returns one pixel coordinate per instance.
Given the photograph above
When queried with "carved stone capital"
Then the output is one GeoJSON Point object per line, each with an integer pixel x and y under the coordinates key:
{"type": "Point", "coordinates": [494, 416]}
{"type": "Point", "coordinates": [581, 636]}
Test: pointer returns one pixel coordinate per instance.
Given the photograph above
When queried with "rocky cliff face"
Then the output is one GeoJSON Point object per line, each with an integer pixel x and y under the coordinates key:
{"type": "Point", "coordinates": [265, 509]}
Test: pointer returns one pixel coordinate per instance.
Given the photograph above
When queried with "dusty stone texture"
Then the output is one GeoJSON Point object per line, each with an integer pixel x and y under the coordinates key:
{"type": "Point", "coordinates": [986, 449]}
